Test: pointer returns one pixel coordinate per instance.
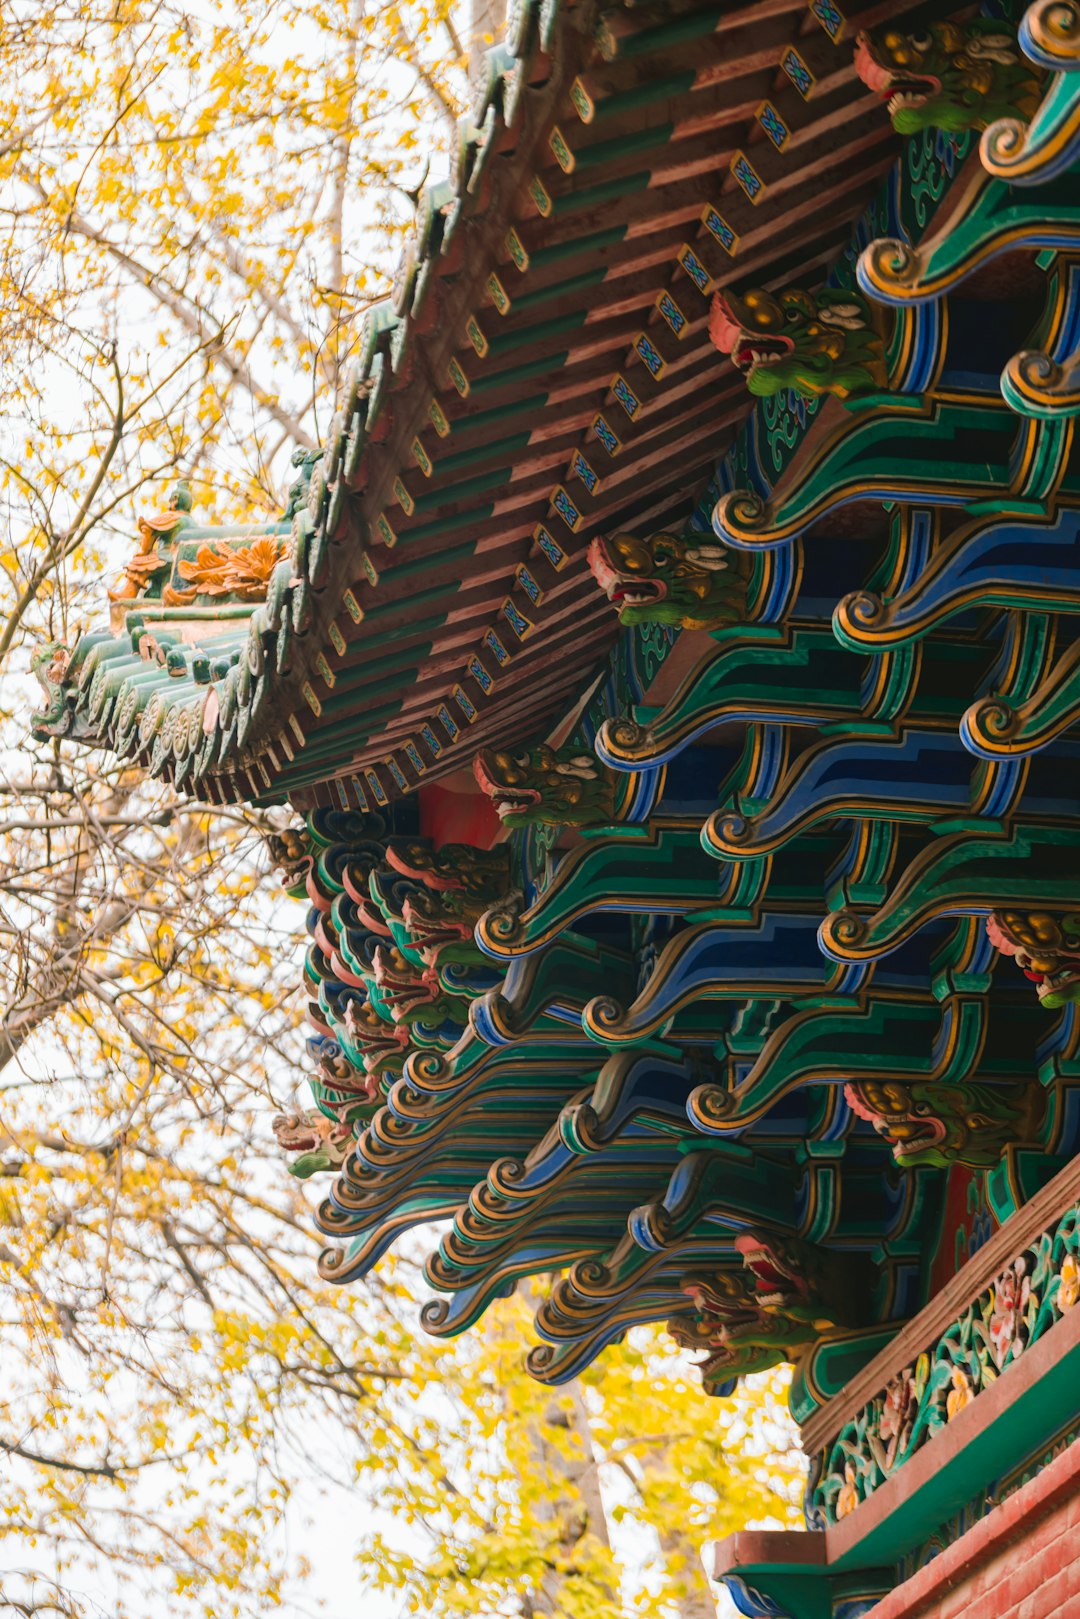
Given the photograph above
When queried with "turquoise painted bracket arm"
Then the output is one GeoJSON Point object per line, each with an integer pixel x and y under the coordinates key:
{"type": "Point", "coordinates": [710, 1197]}
{"type": "Point", "coordinates": [556, 982]}
{"type": "Point", "coordinates": [473, 1060]}
{"type": "Point", "coordinates": [1005, 560]}
{"type": "Point", "coordinates": [991, 218]}
{"type": "Point", "coordinates": [1035, 383]}
{"type": "Point", "coordinates": [1044, 382]}
{"type": "Point", "coordinates": [709, 962]}
{"type": "Point", "coordinates": [939, 452]}
{"type": "Point", "coordinates": [928, 772]}
{"type": "Point", "coordinates": [630, 1123]}
{"type": "Point", "coordinates": [446, 1318]}
{"type": "Point", "coordinates": [729, 1185]}
{"type": "Point", "coordinates": [621, 1286]}
{"type": "Point", "coordinates": [1037, 151]}
{"type": "Point", "coordinates": [661, 871]}
{"type": "Point", "coordinates": [558, 1362]}
{"type": "Point", "coordinates": [376, 1176]}
{"type": "Point", "coordinates": [963, 874]}
{"type": "Point", "coordinates": [794, 676]}
{"type": "Point", "coordinates": [369, 1239]}
{"type": "Point", "coordinates": [995, 728]}
{"type": "Point", "coordinates": [1050, 35]}
{"type": "Point", "coordinates": [885, 1040]}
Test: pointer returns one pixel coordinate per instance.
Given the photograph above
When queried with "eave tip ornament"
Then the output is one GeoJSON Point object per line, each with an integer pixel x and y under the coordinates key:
{"type": "Point", "coordinates": [56, 717]}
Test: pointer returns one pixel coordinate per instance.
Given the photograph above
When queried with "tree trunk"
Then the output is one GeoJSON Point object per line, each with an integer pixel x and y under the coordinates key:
{"type": "Point", "coordinates": [574, 1502]}
{"type": "Point", "coordinates": [694, 1598]}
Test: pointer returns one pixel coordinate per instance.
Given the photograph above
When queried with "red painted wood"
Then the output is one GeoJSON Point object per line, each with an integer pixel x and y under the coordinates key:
{"type": "Point", "coordinates": [1022, 1561]}
{"type": "Point", "coordinates": [456, 811]}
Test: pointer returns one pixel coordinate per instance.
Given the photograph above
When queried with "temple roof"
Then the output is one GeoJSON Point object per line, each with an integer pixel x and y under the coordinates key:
{"type": "Point", "coordinates": [544, 372]}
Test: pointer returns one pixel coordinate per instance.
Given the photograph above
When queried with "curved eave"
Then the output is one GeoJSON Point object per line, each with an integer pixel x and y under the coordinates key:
{"type": "Point", "coordinates": [545, 373]}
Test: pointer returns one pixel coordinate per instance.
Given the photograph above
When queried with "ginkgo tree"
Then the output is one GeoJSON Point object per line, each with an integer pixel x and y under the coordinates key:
{"type": "Point", "coordinates": [197, 204]}
{"type": "Point", "coordinates": [596, 1500]}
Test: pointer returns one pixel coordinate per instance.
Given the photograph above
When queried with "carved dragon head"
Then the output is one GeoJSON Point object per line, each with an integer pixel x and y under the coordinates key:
{"type": "Point", "coordinates": [938, 1123]}
{"type": "Point", "coordinates": [413, 993]}
{"type": "Point", "coordinates": [789, 1293]}
{"type": "Point", "coordinates": [734, 1329]}
{"type": "Point", "coordinates": [383, 1046]}
{"type": "Point", "coordinates": [689, 581]}
{"type": "Point", "coordinates": [319, 1142]}
{"type": "Point", "coordinates": [1046, 947]}
{"type": "Point", "coordinates": [440, 926]}
{"type": "Point", "coordinates": [947, 75]}
{"type": "Point", "coordinates": [816, 343]}
{"type": "Point", "coordinates": [544, 786]}
{"type": "Point", "coordinates": [49, 665]}
{"type": "Point", "coordinates": [455, 868]}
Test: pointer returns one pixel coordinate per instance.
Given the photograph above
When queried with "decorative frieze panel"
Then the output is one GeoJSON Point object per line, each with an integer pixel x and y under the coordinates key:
{"type": "Point", "coordinates": [1025, 1300]}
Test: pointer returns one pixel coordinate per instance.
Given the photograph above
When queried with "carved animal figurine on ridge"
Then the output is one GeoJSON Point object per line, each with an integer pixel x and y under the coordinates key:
{"type": "Point", "coordinates": [159, 528]}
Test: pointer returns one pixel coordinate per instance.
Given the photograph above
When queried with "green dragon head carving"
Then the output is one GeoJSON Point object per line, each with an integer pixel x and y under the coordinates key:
{"type": "Point", "coordinates": [816, 343]}
{"type": "Point", "coordinates": [937, 1123]}
{"type": "Point", "coordinates": [687, 581]}
{"type": "Point", "coordinates": [413, 994]}
{"type": "Point", "coordinates": [1046, 947]}
{"type": "Point", "coordinates": [947, 75]}
{"type": "Point", "coordinates": [735, 1335]}
{"type": "Point", "coordinates": [318, 1143]}
{"type": "Point", "coordinates": [789, 1295]}
{"type": "Point", "coordinates": [483, 874]}
{"type": "Point", "coordinates": [382, 1045]}
{"type": "Point", "coordinates": [544, 786]}
{"type": "Point", "coordinates": [440, 926]}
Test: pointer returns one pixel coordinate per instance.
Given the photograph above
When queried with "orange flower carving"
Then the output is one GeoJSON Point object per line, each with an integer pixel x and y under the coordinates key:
{"type": "Point", "coordinates": [848, 1498]}
{"type": "Point", "coordinates": [960, 1395]}
{"type": "Point", "coordinates": [1068, 1284]}
{"type": "Point", "coordinates": [244, 573]}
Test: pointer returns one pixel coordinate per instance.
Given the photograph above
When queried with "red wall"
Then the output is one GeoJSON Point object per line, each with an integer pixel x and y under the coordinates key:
{"type": "Point", "coordinates": [1022, 1561]}
{"type": "Point", "coordinates": [456, 811]}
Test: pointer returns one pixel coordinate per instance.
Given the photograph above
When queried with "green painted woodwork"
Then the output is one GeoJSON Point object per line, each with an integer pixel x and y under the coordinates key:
{"type": "Point", "coordinates": [963, 873]}
{"type": "Point", "coordinates": [937, 450]}
{"type": "Point", "coordinates": [746, 1013]}
{"type": "Point", "coordinates": [991, 218]}
{"type": "Point", "coordinates": [996, 726]}
{"type": "Point", "coordinates": [885, 1040]}
{"type": "Point", "coordinates": [868, 622]}
{"type": "Point", "coordinates": [795, 676]}
{"type": "Point", "coordinates": [663, 870]}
